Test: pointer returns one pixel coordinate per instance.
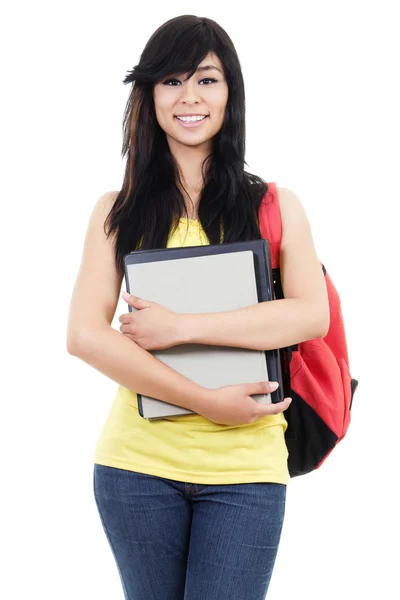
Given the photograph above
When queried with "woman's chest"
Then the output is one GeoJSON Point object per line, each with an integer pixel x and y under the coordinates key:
{"type": "Point", "coordinates": [188, 233]}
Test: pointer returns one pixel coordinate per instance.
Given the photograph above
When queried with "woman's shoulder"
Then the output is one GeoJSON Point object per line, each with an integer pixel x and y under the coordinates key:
{"type": "Point", "coordinates": [104, 205]}
{"type": "Point", "coordinates": [293, 213]}
{"type": "Point", "coordinates": [107, 200]}
{"type": "Point", "coordinates": [289, 202]}
{"type": "Point", "coordinates": [286, 197]}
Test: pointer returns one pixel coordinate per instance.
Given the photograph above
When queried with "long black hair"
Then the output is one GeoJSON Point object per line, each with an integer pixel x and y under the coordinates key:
{"type": "Point", "coordinates": [150, 202]}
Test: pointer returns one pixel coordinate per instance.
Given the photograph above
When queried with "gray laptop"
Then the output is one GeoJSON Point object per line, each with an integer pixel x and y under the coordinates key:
{"type": "Point", "coordinates": [200, 284]}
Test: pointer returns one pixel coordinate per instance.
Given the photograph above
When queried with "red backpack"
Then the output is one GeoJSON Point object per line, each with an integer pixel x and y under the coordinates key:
{"type": "Point", "coordinates": [315, 373]}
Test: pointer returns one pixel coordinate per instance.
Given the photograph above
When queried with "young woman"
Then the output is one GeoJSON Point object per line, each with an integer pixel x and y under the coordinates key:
{"type": "Point", "coordinates": [192, 506]}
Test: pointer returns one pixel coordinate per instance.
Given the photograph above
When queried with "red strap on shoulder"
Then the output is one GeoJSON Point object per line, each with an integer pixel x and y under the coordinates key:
{"type": "Point", "coordinates": [270, 222]}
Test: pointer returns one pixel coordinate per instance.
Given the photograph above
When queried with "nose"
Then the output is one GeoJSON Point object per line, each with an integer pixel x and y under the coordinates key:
{"type": "Point", "coordinates": [190, 92]}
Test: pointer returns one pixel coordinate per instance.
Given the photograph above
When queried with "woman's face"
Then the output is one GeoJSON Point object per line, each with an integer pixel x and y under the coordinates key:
{"type": "Point", "coordinates": [205, 94]}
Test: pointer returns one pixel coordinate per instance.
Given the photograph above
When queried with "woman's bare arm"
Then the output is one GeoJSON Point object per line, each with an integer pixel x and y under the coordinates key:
{"type": "Point", "coordinates": [91, 338]}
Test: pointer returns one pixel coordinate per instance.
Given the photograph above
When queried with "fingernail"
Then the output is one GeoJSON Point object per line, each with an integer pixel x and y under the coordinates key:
{"type": "Point", "coordinates": [125, 295]}
{"type": "Point", "coordinates": [274, 385]}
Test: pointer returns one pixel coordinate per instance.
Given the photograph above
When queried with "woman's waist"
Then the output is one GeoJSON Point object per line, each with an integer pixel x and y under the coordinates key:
{"type": "Point", "coordinates": [196, 420]}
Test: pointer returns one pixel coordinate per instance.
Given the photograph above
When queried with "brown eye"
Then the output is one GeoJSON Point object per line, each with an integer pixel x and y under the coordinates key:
{"type": "Point", "coordinates": [170, 80]}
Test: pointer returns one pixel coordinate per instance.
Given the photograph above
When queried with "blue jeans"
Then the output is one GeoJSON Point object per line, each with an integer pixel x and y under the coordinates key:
{"type": "Point", "coordinates": [185, 541]}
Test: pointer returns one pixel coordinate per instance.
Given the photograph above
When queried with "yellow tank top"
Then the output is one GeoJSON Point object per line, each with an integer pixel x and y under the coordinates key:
{"type": "Point", "coordinates": [192, 448]}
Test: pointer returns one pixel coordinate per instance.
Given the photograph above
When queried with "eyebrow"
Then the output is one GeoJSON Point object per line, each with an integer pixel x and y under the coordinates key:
{"type": "Point", "coordinates": [209, 68]}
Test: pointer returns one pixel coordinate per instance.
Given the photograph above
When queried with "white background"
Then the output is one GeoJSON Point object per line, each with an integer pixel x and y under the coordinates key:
{"type": "Point", "coordinates": [322, 120]}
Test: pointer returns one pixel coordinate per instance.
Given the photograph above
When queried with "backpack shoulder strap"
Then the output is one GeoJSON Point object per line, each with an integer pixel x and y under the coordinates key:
{"type": "Point", "coordinates": [270, 222]}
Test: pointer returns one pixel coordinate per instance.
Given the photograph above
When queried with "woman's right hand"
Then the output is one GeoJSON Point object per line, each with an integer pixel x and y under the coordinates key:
{"type": "Point", "coordinates": [233, 404]}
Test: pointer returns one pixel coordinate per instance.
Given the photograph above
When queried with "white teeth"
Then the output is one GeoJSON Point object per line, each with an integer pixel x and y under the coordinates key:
{"type": "Point", "coordinates": [194, 118]}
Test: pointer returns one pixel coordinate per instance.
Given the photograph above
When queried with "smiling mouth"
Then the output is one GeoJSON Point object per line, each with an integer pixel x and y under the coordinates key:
{"type": "Point", "coordinates": [191, 119]}
{"type": "Point", "coordinates": [192, 122]}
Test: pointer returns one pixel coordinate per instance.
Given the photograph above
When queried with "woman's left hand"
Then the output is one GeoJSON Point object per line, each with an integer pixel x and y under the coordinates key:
{"type": "Point", "coordinates": [151, 326]}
